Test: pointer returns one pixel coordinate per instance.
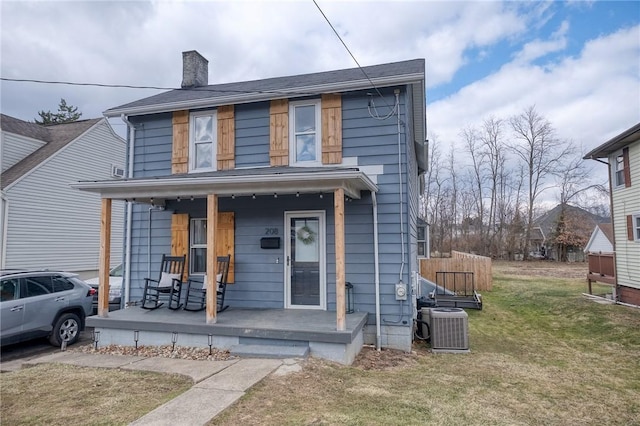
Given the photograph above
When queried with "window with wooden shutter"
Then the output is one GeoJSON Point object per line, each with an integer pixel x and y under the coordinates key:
{"type": "Point", "coordinates": [331, 129]}
{"type": "Point", "coordinates": [633, 227]}
{"type": "Point", "coordinates": [279, 132]}
{"type": "Point", "coordinates": [226, 138]}
{"type": "Point", "coordinates": [180, 149]}
{"type": "Point", "coordinates": [225, 243]}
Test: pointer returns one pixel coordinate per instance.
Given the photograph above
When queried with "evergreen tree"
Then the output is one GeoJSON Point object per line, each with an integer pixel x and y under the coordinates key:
{"type": "Point", "coordinates": [66, 114]}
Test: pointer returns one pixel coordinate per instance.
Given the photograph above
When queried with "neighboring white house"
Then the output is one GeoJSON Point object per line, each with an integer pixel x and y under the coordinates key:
{"type": "Point", "coordinates": [601, 240]}
{"type": "Point", "coordinates": [622, 155]}
{"type": "Point", "coordinates": [44, 223]}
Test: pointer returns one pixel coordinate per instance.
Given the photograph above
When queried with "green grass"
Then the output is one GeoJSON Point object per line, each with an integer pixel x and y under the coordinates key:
{"type": "Point", "coordinates": [59, 394]}
{"type": "Point", "coordinates": [541, 354]}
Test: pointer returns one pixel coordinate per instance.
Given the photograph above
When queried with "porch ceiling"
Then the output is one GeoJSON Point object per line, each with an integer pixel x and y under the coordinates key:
{"type": "Point", "coordinates": [263, 181]}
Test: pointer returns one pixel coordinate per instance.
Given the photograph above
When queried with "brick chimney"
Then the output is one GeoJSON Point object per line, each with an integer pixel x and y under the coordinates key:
{"type": "Point", "coordinates": [195, 70]}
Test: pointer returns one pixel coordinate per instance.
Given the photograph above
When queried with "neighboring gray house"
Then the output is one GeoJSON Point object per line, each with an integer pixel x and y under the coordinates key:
{"type": "Point", "coordinates": [44, 223]}
{"type": "Point", "coordinates": [312, 179]}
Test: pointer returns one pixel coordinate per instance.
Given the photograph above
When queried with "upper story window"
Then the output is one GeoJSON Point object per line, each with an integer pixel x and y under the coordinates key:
{"type": "Point", "coordinates": [203, 131]}
{"type": "Point", "coordinates": [304, 133]}
{"type": "Point", "coordinates": [618, 169]}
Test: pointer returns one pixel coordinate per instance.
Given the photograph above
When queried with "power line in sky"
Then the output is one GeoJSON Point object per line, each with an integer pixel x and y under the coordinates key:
{"type": "Point", "coordinates": [351, 54]}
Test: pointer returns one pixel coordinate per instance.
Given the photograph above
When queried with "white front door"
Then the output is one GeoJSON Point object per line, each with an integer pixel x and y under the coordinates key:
{"type": "Point", "coordinates": [305, 272]}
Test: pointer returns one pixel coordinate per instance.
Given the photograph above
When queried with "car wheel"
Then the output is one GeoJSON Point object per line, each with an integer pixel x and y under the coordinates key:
{"type": "Point", "coordinates": [67, 328]}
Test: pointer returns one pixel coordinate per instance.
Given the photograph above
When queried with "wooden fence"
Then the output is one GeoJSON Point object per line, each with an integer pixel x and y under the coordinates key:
{"type": "Point", "coordinates": [460, 262]}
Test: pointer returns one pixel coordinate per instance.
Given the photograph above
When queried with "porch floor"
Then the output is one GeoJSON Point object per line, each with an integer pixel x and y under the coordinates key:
{"type": "Point", "coordinates": [278, 324]}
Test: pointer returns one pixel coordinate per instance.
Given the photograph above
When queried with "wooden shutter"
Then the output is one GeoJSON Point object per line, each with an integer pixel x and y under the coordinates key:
{"type": "Point", "coordinates": [226, 138]}
{"type": "Point", "coordinates": [331, 129]}
{"type": "Point", "coordinates": [279, 132]}
{"type": "Point", "coordinates": [180, 238]}
{"type": "Point", "coordinates": [627, 170]}
{"type": "Point", "coordinates": [180, 151]}
{"type": "Point", "coordinates": [225, 239]}
{"type": "Point", "coordinates": [630, 233]}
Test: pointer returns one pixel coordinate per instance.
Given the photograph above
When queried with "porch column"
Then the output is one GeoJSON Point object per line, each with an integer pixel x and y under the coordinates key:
{"type": "Point", "coordinates": [338, 207]}
{"type": "Point", "coordinates": [212, 264]}
{"type": "Point", "coordinates": [105, 258]}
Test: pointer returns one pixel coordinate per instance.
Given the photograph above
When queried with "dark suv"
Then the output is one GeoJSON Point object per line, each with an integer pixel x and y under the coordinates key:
{"type": "Point", "coordinates": [43, 304]}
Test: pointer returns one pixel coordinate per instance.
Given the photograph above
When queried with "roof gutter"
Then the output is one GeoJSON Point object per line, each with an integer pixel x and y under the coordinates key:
{"type": "Point", "coordinates": [240, 98]}
{"type": "Point", "coordinates": [352, 181]}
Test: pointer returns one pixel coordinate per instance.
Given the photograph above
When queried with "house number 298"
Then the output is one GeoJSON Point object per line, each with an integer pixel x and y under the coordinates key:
{"type": "Point", "coordinates": [270, 231]}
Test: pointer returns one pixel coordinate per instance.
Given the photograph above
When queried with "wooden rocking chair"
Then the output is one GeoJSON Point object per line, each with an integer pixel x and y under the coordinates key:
{"type": "Point", "coordinates": [196, 297]}
{"type": "Point", "coordinates": [168, 283]}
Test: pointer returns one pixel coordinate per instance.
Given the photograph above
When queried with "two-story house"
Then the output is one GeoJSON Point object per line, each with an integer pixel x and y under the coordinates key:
{"type": "Point", "coordinates": [310, 181]}
{"type": "Point", "coordinates": [44, 223]}
{"type": "Point", "coordinates": [622, 156]}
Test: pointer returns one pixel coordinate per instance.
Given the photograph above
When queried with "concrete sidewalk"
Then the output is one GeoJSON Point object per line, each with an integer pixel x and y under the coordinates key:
{"type": "Point", "coordinates": [217, 384]}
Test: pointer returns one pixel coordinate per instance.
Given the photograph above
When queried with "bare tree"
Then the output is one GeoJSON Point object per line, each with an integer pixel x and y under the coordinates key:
{"type": "Point", "coordinates": [473, 145]}
{"type": "Point", "coordinates": [541, 151]}
{"type": "Point", "coordinates": [494, 157]}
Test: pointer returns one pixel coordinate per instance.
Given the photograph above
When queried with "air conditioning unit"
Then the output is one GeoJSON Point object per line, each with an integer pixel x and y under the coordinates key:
{"type": "Point", "coordinates": [449, 330]}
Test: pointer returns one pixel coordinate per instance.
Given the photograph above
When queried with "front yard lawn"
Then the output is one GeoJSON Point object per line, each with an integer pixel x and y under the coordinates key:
{"type": "Point", "coordinates": [541, 354]}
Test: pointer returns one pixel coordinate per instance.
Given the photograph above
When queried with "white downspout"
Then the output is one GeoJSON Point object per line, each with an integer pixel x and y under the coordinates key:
{"type": "Point", "coordinates": [127, 252]}
{"type": "Point", "coordinates": [4, 217]}
{"type": "Point", "coordinates": [376, 268]}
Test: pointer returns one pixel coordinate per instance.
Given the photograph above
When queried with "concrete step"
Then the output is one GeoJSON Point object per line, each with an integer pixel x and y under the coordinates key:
{"type": "Point", "coordinates": [269, 351]}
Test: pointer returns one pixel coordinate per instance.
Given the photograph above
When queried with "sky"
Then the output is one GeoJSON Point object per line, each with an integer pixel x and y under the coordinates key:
{"type": "Point", "coordinates": [578, 62]}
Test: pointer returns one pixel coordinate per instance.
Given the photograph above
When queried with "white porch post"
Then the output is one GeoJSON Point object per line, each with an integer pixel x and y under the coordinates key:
{"type": "Point", "coordinates": [338, 206]}
{"type": "Point", "coordinates": [105, 258]}
{"type": "Point", "coordinates": [212, 264]}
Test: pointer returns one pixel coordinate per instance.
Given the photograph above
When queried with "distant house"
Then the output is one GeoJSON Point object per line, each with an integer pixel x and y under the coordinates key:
{"type": "Point", "coordinates": [545, 229]}
{"type": "Point", "coordinates": [44, 223]}
{"type": "Point", "coordinates": [601, 240]}
{"type": "Point", "coordinates": [622, 155]}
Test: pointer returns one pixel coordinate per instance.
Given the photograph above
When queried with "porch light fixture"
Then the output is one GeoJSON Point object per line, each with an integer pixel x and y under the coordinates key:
{"type": "Point", "coordinates": [350, 305]}
{"type": "Point", "coordinates": [96, 339]}
{"type": "Point", "coordinates": [233, 196]}
{"type": "Point", "coordinates": [253, 196]}
{"type": "Point", "coordinates": [174, 339]}
{"type": "Point", "coordinates": [297, 194]}
{"type": "Point", "coordinates": [321, 196]}
{"type": "Point", "coordinates": [192, 198]}
{"type": "Point", "coordinates": [275, 195]}
{"type": "Point", "coordinates": [179, 199]}
{"type": "Point", "coordinates": [151, 199]}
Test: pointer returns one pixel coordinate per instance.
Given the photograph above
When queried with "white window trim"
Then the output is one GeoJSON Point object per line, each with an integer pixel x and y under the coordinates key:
{"type": "Point", "coordinates": [192, 245]}
{"type": "Point", "coordinates": [615, 170]}
{"type": "Point", "coordinates": [214, 149]}
{"type": "Point", "coordinates": [292, 137]}
{"type": "Point", "coordinates": [423, 241]}
{"type": "Point", "coordinates": [636, 227]}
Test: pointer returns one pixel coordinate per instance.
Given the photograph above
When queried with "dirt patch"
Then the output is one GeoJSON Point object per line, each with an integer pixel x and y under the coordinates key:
{"type": "Point", "coordinates": [386, 359]}
{"type": "Point", "coordinates": [542, 268]}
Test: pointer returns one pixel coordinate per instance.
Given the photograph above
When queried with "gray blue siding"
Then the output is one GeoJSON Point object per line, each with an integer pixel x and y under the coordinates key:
{"type": "Point", "coordinates": [259, 273]}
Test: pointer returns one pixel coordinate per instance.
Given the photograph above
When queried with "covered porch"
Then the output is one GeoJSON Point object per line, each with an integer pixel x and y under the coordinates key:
{"type": "Point", "coordinates": [244, 332]}
{"type": "Point", "coordinates": [315, 328]}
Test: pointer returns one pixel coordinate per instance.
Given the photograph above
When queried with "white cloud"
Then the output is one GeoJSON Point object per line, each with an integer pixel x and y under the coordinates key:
{"type": "Point", "coordinates": [588, 98]}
